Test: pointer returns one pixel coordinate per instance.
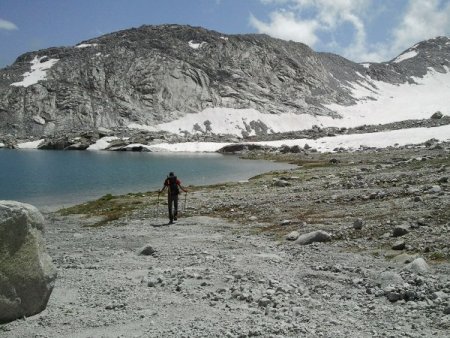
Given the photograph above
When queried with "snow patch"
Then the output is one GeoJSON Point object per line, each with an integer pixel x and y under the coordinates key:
{"type": "Point", "coordinates": [37, 73]}
{"type": "Point", "coordinates": [30, 145]}
{"type": "Point", "coordinates": [196, 45]}
{"type": "Point", "coordinates": [141, 127]}
{"type": "Point", "coordinates": [235, 122]}
{"type": "Point", "coordinates": [85, 45]}
{"type": "Point", "coordinates": [365, 65]}
{"type": "Point", "coordinates": [328, 144]}
{"type": "Point", "coordinates": [394, 103]}
{"type": "Point", "coordinates": [405, 56]}
{"type": "Point", "coordinates": [102, 143]}
{"type": "Point", "coordinates": [2, 145]}
{"type": "Point", "coordinates": [224, 38]}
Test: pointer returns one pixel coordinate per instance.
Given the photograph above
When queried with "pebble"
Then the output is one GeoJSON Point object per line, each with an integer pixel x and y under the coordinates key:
{"type": "Point", "coordinates": [358, 224]}
{"type": "Point", "coordinates": [435, 189]}
{"type": "Point", "coordinates": [399, 231]}
{"type": "Point", "coordinates": [399, 245]}
{"type": "Point", "coordinates": [292, 236]}
{"type": "Point", "coordinates": [264, 302]}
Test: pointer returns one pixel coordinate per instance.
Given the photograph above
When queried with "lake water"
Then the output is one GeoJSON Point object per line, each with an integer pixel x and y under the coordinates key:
{"type": "Point", "coordinates": [53, 179]}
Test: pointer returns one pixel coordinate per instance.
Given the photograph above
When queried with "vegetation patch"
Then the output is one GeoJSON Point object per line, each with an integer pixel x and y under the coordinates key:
{"type": "Point", "coordinates": [110, 207]}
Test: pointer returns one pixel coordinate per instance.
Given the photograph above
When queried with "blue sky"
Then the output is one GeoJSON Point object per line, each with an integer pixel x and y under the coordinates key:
{"type": "Point", "coordinates": [361, 30]}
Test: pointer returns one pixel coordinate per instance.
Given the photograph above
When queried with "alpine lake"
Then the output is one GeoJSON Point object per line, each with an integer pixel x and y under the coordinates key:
{"type": "Point", "coordinates": [55, 179]}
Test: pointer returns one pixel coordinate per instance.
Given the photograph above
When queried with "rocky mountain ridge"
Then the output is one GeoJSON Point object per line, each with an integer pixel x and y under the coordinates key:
{"type": "Point", "coordinates": [153, 75]}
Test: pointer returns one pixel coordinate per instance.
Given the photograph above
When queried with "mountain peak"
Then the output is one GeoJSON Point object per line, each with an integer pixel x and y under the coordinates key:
{"type": "Point", "coordinates": [154, 75]}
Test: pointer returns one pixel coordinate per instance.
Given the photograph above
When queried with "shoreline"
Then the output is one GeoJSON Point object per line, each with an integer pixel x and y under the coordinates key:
{"type": "Point", "coordinates": [239, 169]}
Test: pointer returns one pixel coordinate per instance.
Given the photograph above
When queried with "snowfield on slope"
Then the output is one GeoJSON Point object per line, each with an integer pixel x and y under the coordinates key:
{"type": "Point", "coordinates": [376, 103]}
{"type": "Point", "coordinates": [382, 139]}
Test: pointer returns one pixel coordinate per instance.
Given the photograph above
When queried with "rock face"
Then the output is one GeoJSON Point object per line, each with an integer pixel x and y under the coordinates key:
{"type": "Point", "coordinates": [157, 74]}
{"type": "Point", "coordinates": [27, 274]}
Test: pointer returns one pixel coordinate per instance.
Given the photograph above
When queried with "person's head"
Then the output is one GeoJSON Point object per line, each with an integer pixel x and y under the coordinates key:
{"type": "Point", "coordinates": [171, 174]}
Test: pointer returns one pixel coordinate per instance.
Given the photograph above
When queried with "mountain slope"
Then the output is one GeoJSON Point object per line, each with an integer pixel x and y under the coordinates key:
{"type": "Point", "coordinates": [190, 80]}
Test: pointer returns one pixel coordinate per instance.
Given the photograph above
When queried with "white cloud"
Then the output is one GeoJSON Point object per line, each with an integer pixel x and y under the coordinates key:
{"type": "Point", "coordinates": [7, 25]}
{"type": "Point", "coordinates": [294, 24]}
{"type": "Point", "coordinates": [285, 26]}
{"type": "Point", "coordinates": [316, 23]}
{"type": "Point", "coordinates": [423, 19]}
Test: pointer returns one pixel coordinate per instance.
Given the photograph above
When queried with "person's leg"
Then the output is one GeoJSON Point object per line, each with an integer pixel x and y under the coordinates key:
{"type": "Point", "coordinates": [175, 204]}
{"type": "Point", "coordinates": [169, 202]}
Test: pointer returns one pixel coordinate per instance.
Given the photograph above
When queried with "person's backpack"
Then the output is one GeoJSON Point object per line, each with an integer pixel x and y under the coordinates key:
{"type": "Point", "coordinates": [173, 186]}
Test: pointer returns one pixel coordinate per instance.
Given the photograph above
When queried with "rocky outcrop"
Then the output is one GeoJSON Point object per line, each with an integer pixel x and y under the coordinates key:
{"type": "Point", "coordinates": [157, 74]}
{"type": "Point", "coordinates": [27, 274]}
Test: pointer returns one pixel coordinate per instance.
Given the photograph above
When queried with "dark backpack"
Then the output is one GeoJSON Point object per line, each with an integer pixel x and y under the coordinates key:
{"type": "Point", "coordinates": [173, 186]}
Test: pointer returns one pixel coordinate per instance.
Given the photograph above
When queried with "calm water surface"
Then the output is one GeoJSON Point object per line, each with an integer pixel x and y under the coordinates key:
{"type": "Point", "coordinates": [51, 179]}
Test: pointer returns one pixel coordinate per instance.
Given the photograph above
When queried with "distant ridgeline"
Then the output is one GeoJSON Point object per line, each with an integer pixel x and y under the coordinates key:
{"type": "Point", "coordinates": [189, 82]}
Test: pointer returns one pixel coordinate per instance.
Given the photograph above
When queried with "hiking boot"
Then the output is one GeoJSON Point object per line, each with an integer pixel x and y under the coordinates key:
{"type": "Point", "coordinates": [170, 222]}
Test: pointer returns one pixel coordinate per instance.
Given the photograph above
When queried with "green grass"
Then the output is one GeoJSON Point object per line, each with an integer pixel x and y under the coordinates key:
{"type": "Point", "coordinates": [110, 207]}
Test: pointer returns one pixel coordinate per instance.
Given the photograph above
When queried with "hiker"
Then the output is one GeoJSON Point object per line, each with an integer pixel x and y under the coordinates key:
{"type": "Point", "coordinates": [173, 185]}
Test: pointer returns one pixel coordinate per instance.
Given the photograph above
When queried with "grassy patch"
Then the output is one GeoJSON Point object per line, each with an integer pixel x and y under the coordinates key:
{"type": "Point", "coordinates": [438, 257]}
{"type": "Point", "coordinates": [110, 207]}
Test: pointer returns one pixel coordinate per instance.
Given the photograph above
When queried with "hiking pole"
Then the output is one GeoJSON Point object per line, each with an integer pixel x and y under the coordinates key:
{"type": "Point", "coordinates": [185, 198]}
{"type": "Point", "coordinates": [157, 205]}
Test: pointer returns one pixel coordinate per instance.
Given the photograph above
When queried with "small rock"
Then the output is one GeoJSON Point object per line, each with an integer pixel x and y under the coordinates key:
{"type": "Point", "coordinates": [437, 115]}
{"type": "Point", "coordinates": [281, 183]}
{"type": "Point", "coordinates": [399, 245]}
{"type": "Point", "coordinates": [435, 189]}
{"type": "Point", "coordinates": [358, 224]}
{"type": "Point", "coordinates": [399, 231]}
{"type": "Point", "coordinates": [393, 296]}
{"type": "Point", "coordinates": [152, 283]}
{"type": "Point", "coordinates": [443, 180]}
{"type": "Point", "coordinates": [263, 302]}
{"type": "Point", "coordinates": [292, 236]}
{"type": "Point", "coordinates": [286, 222]}
{"type": "Point", "coordinates": [418, 266]}
{"type": "Point", "coordinates": [447, 310]}
{"type": "Point", "coordinates": [388, 279]}
{"type": "Point", "coordinates": [147, 251]}
{"type": "Point", "coordinates": [315, 236]}
{"type": "Point", "coordinates": [253, 218]}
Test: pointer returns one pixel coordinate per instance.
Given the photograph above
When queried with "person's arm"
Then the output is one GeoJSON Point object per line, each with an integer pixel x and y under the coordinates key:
{"type": "Point", "coordinates": [164, 187]}
{"type": "Point", "coordinates": [179, 184]}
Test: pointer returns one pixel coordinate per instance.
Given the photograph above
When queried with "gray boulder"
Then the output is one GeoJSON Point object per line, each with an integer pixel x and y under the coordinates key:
{"type": "Point", "coordinates": [387, 279]}
{"type": "Point", "coordinates": [315, 236]}
{"type": "Point", "coordinates": [292, 236]}
{"type": "Point", "coordinates": [27, 274]}
{"type": "Point", "coordinates": [437, 115]}
{"type": "Point", "coordinates": [147, 251]}
{"type": "Point", "coordinates": [400, 230]}
{"type": "Point", "coordinates": [419, 265]}
{"type": "Point", "coordinates": [358, 224]}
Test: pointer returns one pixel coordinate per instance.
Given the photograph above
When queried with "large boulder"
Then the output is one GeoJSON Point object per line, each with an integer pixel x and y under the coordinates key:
{"type": "Point", "coordinates": [27, 274]}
